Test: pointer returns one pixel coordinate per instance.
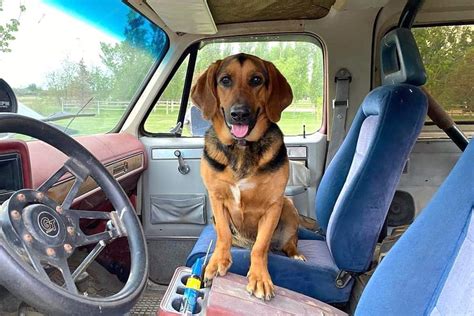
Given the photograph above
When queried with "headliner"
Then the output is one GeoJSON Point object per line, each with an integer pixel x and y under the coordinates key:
{"type": "Point", "coordinates": [231, 11]}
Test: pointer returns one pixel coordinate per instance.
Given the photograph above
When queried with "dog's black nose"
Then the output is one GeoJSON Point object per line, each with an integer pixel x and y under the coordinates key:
{"type": "Point", "coordinates": [240, 113]}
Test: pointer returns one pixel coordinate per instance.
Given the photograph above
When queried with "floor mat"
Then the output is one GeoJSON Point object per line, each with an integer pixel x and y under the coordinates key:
{"type": "Point", "coordinates": [150, 300]}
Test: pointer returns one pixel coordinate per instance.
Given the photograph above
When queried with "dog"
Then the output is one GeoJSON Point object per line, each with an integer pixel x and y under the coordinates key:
{"type": "Point", "coordinates": [245, 165]}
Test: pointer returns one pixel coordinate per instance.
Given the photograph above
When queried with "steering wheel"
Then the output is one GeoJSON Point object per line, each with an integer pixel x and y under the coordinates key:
{"type": "Point", "coordinates": [36, 231]}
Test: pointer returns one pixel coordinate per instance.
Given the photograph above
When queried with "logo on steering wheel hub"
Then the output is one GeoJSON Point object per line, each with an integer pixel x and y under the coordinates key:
{"type": "Point", "coordinates": [48, 224]}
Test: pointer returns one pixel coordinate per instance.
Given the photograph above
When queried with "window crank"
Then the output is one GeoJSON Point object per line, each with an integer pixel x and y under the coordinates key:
{"type": "Point", "coordinates": [183, 168]}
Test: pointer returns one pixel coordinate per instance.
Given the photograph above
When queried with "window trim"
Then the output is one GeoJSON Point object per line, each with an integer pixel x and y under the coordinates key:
{"type": "Point", "coordinates": [184, 55]}
{"type": "Point", "coordinates": [198, 45]}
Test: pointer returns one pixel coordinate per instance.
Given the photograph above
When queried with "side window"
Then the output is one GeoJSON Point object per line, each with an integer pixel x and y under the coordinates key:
{"type": "Point", "coordinates": [299, 60]}
{"type": "Point", "coordinates": [164, 115]}
{"type": "Point", "coordinates": [448, 56]}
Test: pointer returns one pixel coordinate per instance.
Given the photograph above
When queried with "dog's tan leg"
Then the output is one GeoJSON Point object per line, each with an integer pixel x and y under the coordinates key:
{"type": "Point", "coordinates": [289, 222]}
{"type": "Point", "coordinates": [291, 249]}
{"type": "Point", "coordinates": [260, 283]}
{"type": "Point", "coordinates": [221, 259]}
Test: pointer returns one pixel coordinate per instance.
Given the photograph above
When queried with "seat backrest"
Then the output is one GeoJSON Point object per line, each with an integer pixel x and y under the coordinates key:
{"type": "Point", "coordinates": [356, 190]}
{"type": "Point", "coordinates": [199, 125]}
{"type": "Point", "coordinates": [430, 270]}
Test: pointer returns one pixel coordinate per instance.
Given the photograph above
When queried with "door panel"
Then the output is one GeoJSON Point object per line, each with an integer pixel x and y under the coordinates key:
{"type": "Point", "coordinates": [163, 180]}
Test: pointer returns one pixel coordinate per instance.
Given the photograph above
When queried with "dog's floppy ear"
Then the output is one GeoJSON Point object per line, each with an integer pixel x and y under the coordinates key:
{"type": "Point", "coordinates": [279, 93]}
{"type": "Point", "coordinates": [204, 93]}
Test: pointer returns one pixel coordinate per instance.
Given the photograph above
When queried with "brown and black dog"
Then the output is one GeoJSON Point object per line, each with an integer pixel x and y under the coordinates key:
{"type": "Point", "coordinates": [245, 165]}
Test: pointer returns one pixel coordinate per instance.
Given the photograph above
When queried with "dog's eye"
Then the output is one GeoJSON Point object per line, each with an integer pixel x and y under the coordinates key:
{"type": "Point", "coordinates": [256, 81]}
{"type": "Point", "coordinates": [225, 81]}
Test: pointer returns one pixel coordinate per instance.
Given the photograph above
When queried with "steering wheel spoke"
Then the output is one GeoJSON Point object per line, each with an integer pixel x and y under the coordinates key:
{"type": "Point", "coordinates": [114, 226]}
{"type": "Point", "coordinates": [78, 214]}
{"type": "Point", "coordinates": [69, 283]}
{"type": "Point", "coordinates": [73, 167]}
{"type": "Point", "coordinates": [105, 236]}
{"type": "Point", "coordinates": [48, 184]}
{"type": "Point", "coordinates": [36, 263]}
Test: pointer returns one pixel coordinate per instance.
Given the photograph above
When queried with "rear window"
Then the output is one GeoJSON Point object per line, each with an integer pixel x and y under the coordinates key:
{"type": "Point", "coordinates": [448, 56]}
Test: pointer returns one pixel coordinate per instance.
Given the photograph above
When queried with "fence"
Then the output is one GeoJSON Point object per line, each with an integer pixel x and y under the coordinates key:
{"type": "Point", "coordinates": [98, 106]}
{"type": "Point", "coordinates": [172, 105]}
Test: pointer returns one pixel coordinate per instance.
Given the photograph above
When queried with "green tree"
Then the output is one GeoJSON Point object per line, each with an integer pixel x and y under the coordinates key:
{"type": "Point", "coordinates": [59, 82]}
{"type": "Point", "coordinates": [127, 62]}
{"type": "Point", "coordinates": [8, 30]}
{"type": "Point", "coordinates": [442, 49]}
{"type": "Point", "coordinates": [461, 93]}
{"type": "Point", "coordinates": [174, 90]}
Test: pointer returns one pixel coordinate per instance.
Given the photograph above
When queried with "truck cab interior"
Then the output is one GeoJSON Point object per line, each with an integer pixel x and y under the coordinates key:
{"type": "Point", "coordinates": [100, 150]}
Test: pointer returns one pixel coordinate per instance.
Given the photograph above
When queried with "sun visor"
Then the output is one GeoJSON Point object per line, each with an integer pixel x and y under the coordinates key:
{"type": "Point", "coordinates": [191, 16]}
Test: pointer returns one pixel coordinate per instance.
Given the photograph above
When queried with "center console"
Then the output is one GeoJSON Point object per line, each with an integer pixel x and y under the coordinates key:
{"type": "Point", "coordinates": [228, 296]}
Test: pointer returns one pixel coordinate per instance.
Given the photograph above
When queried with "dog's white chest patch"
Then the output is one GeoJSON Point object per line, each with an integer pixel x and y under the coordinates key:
{"type": "Point", "coordinates": [245, 184]}
{"type": "Point", "coordinates": [235, 193]}
{"type": "Point", "coordinates": [241, 185]}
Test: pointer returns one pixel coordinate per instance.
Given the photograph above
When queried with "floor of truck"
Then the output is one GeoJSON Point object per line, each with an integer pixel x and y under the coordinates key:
{"type": "Point", "coordinates": [150, 300]}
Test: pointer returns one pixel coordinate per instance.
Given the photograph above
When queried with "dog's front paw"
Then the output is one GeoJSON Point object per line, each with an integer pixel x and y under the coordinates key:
{"type": "Point", "coordinates": [260, 283]}
{"type": "Point", "coordinates": [219, 264]}
{"type": "Point", "coordinates": [299, 257]}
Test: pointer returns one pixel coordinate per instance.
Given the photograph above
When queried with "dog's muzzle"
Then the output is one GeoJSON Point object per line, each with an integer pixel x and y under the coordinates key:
{"type": "Point", "coordinates": [241, 120]}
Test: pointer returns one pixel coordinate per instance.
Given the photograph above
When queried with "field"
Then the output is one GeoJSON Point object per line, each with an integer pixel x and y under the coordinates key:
{"type": "Point", "coordinates": [161, 119]}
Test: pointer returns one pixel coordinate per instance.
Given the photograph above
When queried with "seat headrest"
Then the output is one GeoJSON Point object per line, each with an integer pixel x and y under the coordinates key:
{"type": "Point", "coordinates": [400, 60]}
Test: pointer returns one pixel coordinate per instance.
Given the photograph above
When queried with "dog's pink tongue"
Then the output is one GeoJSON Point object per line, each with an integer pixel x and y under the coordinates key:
{"type": "Point", "coordinates": [239, 130]}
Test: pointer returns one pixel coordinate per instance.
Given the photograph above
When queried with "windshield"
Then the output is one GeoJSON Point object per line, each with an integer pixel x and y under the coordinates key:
{"type": "Point", "coordinates": [76, 64]}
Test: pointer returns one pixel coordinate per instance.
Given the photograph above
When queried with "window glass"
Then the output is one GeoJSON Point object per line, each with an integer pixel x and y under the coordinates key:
{"type": "Point", "coordinates": [301, 62]}
{"type": "Point", "coordinates": [164, 115]}
{"type": "Point", "coordinates": [76, 64]}
{"type": "Point", "coordinates": [448, 56]}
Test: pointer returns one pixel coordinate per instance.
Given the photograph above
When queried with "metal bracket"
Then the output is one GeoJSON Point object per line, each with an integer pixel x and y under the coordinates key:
{"type": "Point", "coordinates": [343, 278]}
{"type": "Point", "coordinates": [177, 130]}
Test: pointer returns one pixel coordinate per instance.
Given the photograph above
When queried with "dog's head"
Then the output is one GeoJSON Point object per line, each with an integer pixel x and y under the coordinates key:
{"type": "Point", "coordinates": [241, 95]}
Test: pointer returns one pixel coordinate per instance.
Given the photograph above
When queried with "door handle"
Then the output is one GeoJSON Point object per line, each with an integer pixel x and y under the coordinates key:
{"type": "Point", "coordinates": [183, 168]}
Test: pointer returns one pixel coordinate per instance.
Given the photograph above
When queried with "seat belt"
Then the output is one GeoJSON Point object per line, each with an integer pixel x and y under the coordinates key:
{"type": "Point", "coordinates": [339, 106]}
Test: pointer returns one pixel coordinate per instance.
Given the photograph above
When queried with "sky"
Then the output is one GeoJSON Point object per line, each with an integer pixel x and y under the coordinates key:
{"type": "Point", "coordinates": [47, 36]}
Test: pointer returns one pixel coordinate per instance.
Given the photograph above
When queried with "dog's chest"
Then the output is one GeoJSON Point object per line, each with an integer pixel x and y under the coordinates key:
{"type": "Point", "coordinates": [243, 205]}
{"type": "Point", "coordinates": [240, 188]}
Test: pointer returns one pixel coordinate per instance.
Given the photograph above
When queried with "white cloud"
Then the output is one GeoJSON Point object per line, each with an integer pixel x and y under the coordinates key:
{"type": "Point", "coordinates": [45, 38]}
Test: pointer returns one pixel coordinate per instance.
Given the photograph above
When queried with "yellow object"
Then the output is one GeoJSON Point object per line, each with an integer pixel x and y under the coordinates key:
{"type": "Point", "coordinates": [193, 283]}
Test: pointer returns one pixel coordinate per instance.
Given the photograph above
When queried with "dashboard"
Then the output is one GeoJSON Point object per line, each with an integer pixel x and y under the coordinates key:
{"type": "Point", "coordinates": [29, 164]}
{"type": "Point", "coordinates": [15, 168]}
{"type": "Point", "coordinates": [12, 175]}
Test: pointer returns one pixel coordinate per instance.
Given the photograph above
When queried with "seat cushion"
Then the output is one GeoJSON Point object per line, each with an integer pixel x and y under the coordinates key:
{"type": "Point", "coordinates": [315, 277]}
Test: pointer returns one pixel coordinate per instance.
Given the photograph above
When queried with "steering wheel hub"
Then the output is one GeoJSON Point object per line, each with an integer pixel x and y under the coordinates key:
{"type": "Point", "coordinates": [33, 219]}
{"type": "Point", "coordinates": [44, 224]}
